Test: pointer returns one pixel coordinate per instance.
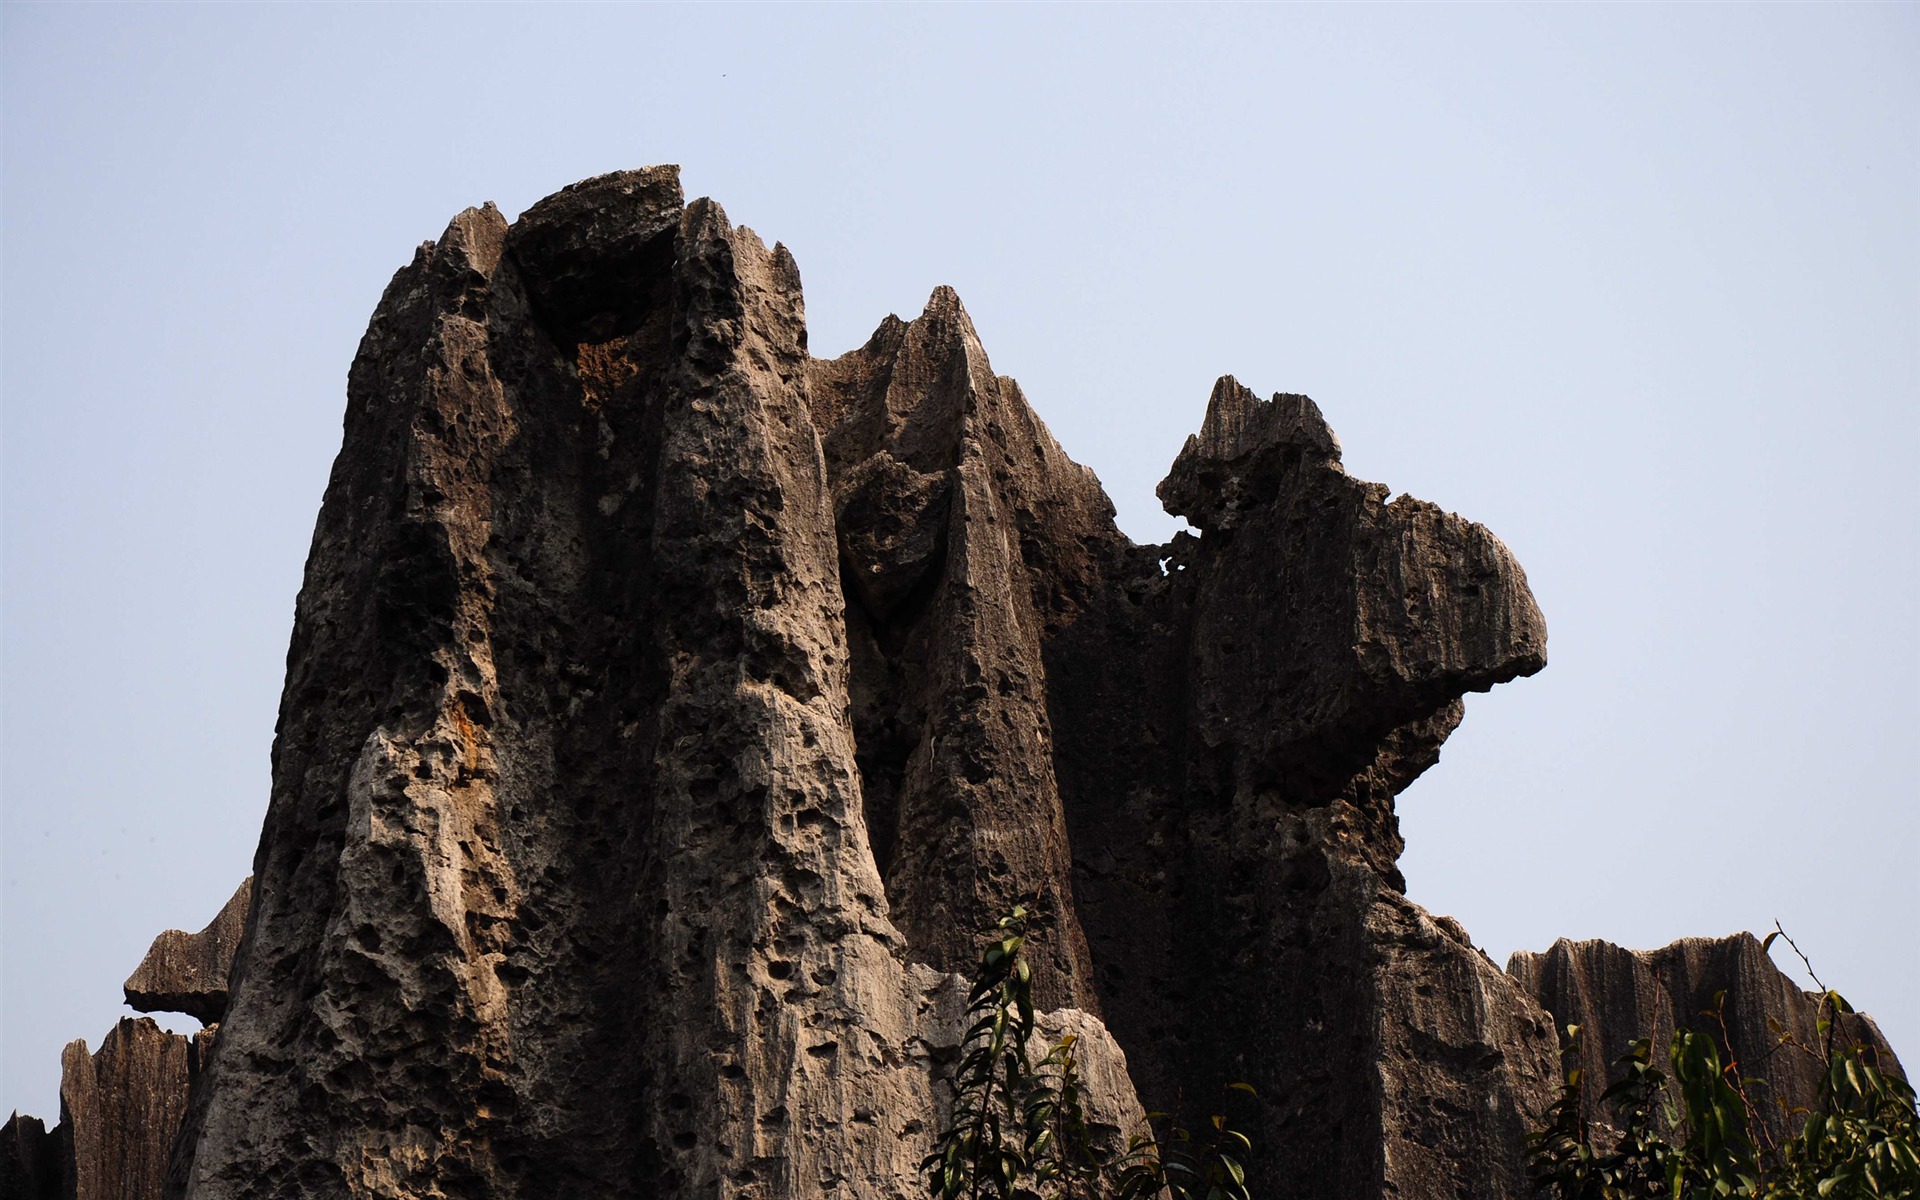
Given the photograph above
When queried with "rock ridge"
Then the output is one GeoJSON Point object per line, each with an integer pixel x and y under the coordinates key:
{"type": "Point", "coordinates": [1615, 995]}
{"type": "Point", "coordinates": [667, 709]}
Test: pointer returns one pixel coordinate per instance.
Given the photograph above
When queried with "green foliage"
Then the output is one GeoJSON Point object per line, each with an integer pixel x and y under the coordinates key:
{"type": "Point", "coordinates": [1563, 1156]}
{"type": "Point", "coordinates": [1018, 1128]}
{"type": "Point", "coordinates": [1861, 1139]}
{"type": "Point", "coordinates": [1185, 1164]}
{"type": "Point", "coordinates": [1863, 1142]}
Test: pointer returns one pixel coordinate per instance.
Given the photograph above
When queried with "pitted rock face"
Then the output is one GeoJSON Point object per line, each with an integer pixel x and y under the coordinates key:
{"type": "Point", "coordinates": [1245, 447]}
{"type": "Point", "coordinates": [1233, 827]}
{"type": "Point", "coordinates": [566, 886]}
{"type": "Point", "coordinates": [668, 710]}
{"type": "Point", "coordinates": [966, 535]}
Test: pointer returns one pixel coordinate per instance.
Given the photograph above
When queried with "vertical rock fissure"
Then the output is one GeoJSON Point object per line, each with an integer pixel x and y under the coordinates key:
{"type": "Point", "coordinates": [667, 711]}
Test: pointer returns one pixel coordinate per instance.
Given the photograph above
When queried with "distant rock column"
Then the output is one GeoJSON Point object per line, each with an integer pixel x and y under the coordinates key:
{"type": "Point", "coordinates": [124, 1107]}
{"type": "Point", "coordinates": [120, 1110]}
{"type": "Point", "coordinates": [30, 1160]}
{"type": "Point", "coordinates": [1724, 987]}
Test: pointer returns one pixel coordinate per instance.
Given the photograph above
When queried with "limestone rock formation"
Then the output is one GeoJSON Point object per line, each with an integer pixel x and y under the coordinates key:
{"type": "Point", "coordinates": [1616, 995]}
{"type": "Point", "coordinates": [668, 709]}
{"type": "Point", "coordinates": [29, 1160]}
{"type": "Point", "coordinates": [966, 537]}
{"type": "Point", "coordinates": [1233, 732]}
{"type": "Point", "coordinates": [565, 886]}
{"type": "Point", "coordinates": [120, 1108]}
{"type": "Point", "coordinates": [187, 972]}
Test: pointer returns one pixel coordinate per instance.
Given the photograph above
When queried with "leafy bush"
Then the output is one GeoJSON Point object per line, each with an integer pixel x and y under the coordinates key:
{"type": "Point", "coordinates": [1018, 1128]}
{"type": "Point", "coordinates": [1860, 1140]}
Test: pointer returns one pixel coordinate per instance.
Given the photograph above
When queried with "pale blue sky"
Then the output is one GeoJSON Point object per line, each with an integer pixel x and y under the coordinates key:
{"type": "Point", "coordinates": [1636, 286]}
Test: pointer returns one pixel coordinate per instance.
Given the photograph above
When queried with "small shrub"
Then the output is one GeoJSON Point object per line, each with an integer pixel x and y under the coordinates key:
{"type": "Point", "coordinates": [1018, 1129]}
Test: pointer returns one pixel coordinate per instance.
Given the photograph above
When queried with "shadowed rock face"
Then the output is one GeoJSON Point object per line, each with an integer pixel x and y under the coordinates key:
{"type": "Point", "coordinates": [1616, 995]}
{"type": "Point", "coordinates": [30, 1160]}
{"type": "Point", "coordinates": [967, 537]}
{"type": "Point", "coordinates": [667, 710]}
{"type": "Point", "coordinates": [1233, 733]}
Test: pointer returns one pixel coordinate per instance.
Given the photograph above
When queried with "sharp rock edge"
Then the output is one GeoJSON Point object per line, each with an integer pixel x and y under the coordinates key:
{"type": "Point", "coordinates": [667, 710]}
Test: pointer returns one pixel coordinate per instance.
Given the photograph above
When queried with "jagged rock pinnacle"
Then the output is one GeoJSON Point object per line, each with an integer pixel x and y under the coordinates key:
{"type": "Point", "coordinates": [668, 710]}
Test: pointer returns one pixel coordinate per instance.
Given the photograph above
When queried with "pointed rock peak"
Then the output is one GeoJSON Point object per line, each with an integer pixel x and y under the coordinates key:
{"type": "Point", "coordinates": [705, 218]}
{"type": "Point", "coordinates": [1239, 423]}
{"type": "Point", "coordinates": [1243, 441]}
{"type": "Point", "coordinates": [944, 307]}
{"type": "Point", "coordinates": [474, 240]}
{"type": "Point", "coordinates": [597, 255]}
{"type": "Point", "coordinates": [187, 972]}
{"type": "Point", "coordinates": [887, 333]}
{"type": "Point", "coordinates": [944, 302]}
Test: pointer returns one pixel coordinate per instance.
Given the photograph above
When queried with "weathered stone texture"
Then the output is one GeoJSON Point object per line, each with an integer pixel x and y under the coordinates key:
{"type": "Point", "coordinates": [966, 534]}
{"type": "Point", "coordinates": [821, 665]}
{"type": "Point", "coordinates": [1616, 995]}
{"type": "Point", "coordinates": [187, 972]}
{"type": "Point", "coordinates": [120, 1110]}
{"type": "Point", "coordinates": [667, 710]}
{"type": "Point", "coordinates": [1236, 717]}
{"type": "Point", "coordinates": [566, 887]}
{"type": "Point", "coordinates": [29, 1160]}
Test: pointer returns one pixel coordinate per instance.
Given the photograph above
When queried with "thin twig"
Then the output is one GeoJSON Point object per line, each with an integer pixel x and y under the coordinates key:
{"type": "Point", "coordinates": [1804, 961]}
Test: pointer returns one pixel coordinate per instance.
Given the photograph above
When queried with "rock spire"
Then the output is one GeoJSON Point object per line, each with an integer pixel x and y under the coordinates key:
{"type": "Point", "coordinates": [667, 710]}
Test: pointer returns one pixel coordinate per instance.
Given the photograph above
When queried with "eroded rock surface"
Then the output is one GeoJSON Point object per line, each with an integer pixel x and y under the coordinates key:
{"type": "Point", "coordinates": [1616, 995]}
{"type": "Point", "coordinates": [1233, 732]}
{"type": "Point", "coordinates": [667, 710]}
{"type": "Point", "coordinates": [121, 1108]}
{"type": "Point", "coordinates": [187, 972]}
{"type": "Point", "coordinates": [29, 1160]}
{"type": "Point", "coordinates": [966, 536]}
{"type": "Point", "coordinates": [566, 886]}
{"type": "Point", "coordinates": [124, 1106]}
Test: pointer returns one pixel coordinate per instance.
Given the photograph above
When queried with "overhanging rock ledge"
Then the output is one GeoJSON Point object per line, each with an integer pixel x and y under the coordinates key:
{"type": "Point", "coordinates": [667, 709]}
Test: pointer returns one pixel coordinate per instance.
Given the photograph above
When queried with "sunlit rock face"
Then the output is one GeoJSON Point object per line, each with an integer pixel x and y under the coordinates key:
{"type": "Point", "coordinates": [566, 887]}
{"type": "Point", "coordinates": [668, 710]}
{"type": "Point", "coordinates": [187, 972]}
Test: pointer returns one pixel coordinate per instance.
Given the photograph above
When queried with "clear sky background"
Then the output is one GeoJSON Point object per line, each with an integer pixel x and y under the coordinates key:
{"type": "Point", "coordinates": [1636, 286]}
